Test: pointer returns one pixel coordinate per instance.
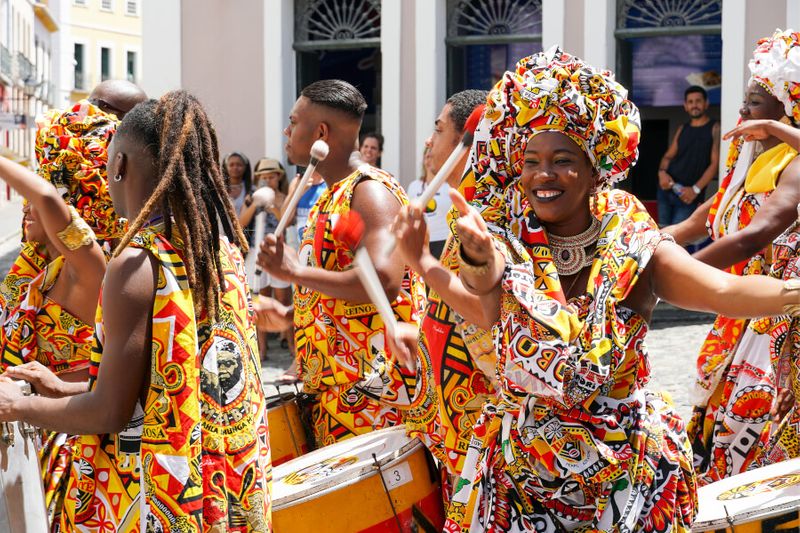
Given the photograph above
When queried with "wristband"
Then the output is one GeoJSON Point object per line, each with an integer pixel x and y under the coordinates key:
{"type": "Point", "coordinates": [792, 285]}
{"type": "Point", "coordinates": [696, 189]}
{"type": "Point", "coordinates": [465, 265]}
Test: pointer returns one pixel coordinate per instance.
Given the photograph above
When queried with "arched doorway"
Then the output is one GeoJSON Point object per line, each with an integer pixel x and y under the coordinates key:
{"type": "Point", "coordinates": [341, 39]}
{"type": "Point", "coordinates": [484, 39]}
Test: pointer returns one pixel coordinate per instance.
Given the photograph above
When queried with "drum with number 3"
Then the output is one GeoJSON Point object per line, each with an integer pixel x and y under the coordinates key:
{"type": "Point", "coordinates": [381, 481]}
{"type": "Point", "coordinates": [764, 500]}
{"type": "Point", "coordinates": [22, 508]}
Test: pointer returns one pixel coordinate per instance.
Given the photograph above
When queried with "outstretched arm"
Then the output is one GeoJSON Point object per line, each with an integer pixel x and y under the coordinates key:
{"type": "Point", "coordinates": [773, 218]}
{"type": "Point", "coordinates": [690, 284]}
{"type": "Point", "coordinates": [128, 296]}
{"type": "Point", "coordinates": [54, 215]}
{"type": "Point", "coordinates": [378, 208]}
{"type": "Point", "coordinates": [758, 130]}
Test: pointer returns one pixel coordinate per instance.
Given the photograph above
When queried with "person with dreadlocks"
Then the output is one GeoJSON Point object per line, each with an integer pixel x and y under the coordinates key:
{"type": "Point", "coordinates": [569, 271]}
{"type": "Point", "coordinates": [48, 323]}
{"type": "Point", "coordinates": [173, 429]}
{"type": "Point", "coordinates": [356, 382]}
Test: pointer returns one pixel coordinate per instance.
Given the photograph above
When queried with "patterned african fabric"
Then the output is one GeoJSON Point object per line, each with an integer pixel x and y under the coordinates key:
{"type": "Point", "coordinates": [735, 385]}
{"type": "Point", "coordinates": [28, 264]}
{"type": "Point", "coordinates": [195, 456]}
{"type": "Point", "coordinates": [39, 329]}
{"type": "Point", "coordinates": [72, 152]}
{"type": "Point", "coordinates": [356, 384]}
{"type": "Point", "coordinates": [575, 442]}
{"type": "Point", "coordinates": [784, 334]}
{"type": "Point", "coordinates": [455, 377]}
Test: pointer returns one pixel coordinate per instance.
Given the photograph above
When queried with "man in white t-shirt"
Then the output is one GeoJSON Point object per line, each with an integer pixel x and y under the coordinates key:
{"type": "Point", "coordinates": [447, 132]}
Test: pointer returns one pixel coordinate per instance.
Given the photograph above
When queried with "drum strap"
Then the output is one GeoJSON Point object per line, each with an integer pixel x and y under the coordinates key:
{"type": "Point", "coordinates": [388, 496]}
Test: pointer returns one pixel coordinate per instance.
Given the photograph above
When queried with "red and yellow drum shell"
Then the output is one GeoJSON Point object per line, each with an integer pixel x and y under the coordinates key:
{"type": "Point", "coordinates": [340, 486]}
{"type": "Point", "coordinates": [287, 437]}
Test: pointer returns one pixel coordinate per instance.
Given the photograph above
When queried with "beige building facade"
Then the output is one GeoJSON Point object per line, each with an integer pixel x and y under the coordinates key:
{"type": "Point", "coordinates": [247, 59]}
{"type": "Point", "coordinates": [27, 84]}
{"type": "Point", "coordinates": [101, 39]}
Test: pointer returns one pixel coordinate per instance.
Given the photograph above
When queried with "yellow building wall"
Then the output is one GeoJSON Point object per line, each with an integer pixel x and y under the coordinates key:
{"type": "Point", "coordinates": [95, 28]}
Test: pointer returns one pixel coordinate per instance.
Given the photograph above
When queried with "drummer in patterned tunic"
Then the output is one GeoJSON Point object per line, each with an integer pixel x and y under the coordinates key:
{"type": "Point", "coordinates": [173, 431]}
{"type": "Point", "coordinates": [453, 346]}
{"type": "Point", "coordinates": [356, 383]}
{"type": "Point", "coordinates": [571, 270]}
{"type": "Point", "coordinates": [48, 317]}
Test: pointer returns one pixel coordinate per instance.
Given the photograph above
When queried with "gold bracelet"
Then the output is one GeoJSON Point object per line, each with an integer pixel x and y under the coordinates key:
{"type": "Point", "coordinates": [792, 285]}
{"type": "Point", "coordinates": [77, 233]}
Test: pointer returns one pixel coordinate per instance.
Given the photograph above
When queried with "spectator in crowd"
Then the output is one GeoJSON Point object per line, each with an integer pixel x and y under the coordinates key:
{"type": "Point", "coordinates": [691, 161]}
{"type": "Point", "coordinates": [371, 148]}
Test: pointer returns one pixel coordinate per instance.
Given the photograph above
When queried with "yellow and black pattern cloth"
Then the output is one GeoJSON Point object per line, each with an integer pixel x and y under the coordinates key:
{"type": "Point", "coordinates": [195, 456]}
{"type": "Point", "coordinates": [357, 384]}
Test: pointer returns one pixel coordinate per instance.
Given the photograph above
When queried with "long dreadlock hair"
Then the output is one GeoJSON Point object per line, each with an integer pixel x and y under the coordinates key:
{"type": "Point", "coordinates": [191, 191]}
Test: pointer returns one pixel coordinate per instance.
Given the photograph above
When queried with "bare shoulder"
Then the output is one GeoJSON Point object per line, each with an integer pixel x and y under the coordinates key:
{"type": "Point", "coordinates": [371, 197]}
{"type": "Point", "coordinates": [131, 276]}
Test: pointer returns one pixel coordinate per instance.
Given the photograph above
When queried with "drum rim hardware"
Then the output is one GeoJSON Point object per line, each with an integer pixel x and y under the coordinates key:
{"type": "Point", "coordinates": [386, 491]}
{"type": "Point", "coordinates": [355, 475]}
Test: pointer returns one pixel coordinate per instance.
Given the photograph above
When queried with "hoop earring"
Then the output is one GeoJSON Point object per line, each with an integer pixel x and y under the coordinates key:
{"type": "Point", "coordinates": [118, 178]}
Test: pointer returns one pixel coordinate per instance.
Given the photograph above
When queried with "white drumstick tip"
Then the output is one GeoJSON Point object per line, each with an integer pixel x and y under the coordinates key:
{"type": "Point", "coordinates": [319, 150]}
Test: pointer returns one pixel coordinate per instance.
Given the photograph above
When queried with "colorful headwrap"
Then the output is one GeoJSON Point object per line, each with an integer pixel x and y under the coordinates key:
{"type": "Point", "coordinates": [72, 152]}
{"type": "Point", "coordinates": [555, 91]}
{"type": "Point", "coordinates": [776, 67]}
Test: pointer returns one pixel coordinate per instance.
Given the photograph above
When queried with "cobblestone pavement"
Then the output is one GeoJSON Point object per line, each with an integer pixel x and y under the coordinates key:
{"type": "Point", "coordinates": [673, 349]}
{"type": "Point", "coordinates": [673, 346]}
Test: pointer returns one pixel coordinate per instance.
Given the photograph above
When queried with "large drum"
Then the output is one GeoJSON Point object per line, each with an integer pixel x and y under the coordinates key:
{"type": "Point", "coordinates": [763, 500]}
{"type": "Point", "coordinates": [22, 507]}
{"type": "Point", "coordinates": [287, 435]}
{"type": "Point", "coordinates": [382, 481]}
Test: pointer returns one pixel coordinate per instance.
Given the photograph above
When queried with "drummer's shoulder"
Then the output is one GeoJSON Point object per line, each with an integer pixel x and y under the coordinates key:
{"type": "Point", "coordinates": [130, 273]}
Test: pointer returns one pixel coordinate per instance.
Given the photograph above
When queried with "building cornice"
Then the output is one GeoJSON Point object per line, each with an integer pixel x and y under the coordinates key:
{"type": "Point", "coordinates": [43, 14]}
{"type": "Point", "coordinates": [106, 29]}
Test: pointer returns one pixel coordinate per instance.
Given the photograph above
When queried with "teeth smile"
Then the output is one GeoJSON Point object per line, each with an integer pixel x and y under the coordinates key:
{"type": "Point", "coordinates": [547, 194]}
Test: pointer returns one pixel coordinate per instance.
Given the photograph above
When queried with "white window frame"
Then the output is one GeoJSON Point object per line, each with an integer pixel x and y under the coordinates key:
{"type": "Point", "coordinates": [99, 58]}
{"type": "Point", "coordinates": [137, 66]}
{"type": "Point", "coordinates": [86, 69]}
{"type": "Point", "coordinates": [80, 3]}
{"type": "Point", "coordinates": [135, 3]}
{"type": "Point", "coordinates": [109, 9]}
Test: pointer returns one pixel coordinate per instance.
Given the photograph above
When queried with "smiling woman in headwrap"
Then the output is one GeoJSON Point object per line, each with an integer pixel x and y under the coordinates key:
{"type": "Point", "coordinates": [571, 271]}
{"type": "Point", "coordinates": [49, 323]}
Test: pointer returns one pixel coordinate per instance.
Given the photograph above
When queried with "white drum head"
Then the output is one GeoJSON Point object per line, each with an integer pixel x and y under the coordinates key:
{"type": "Point", "coordinates": [757, 494]}
{"type": "Point", "coordinates": [338, 465]}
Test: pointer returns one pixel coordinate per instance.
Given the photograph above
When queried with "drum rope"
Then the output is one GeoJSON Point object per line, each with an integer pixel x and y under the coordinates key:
{"type": "Point", "coordinates": [289, 425]}
{"type": "Point", "coordinates": [729, 519]}
{"type": "Point", "coordinates": [388, 496]}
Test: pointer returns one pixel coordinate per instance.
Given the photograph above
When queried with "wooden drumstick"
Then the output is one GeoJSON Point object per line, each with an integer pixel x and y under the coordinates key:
{"type": "Point", "coordinates": [444, 172]}
{"type": "Point", "coordinates": [319, 151]}
{"type": "Point", "coordinates": [264, 197]}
